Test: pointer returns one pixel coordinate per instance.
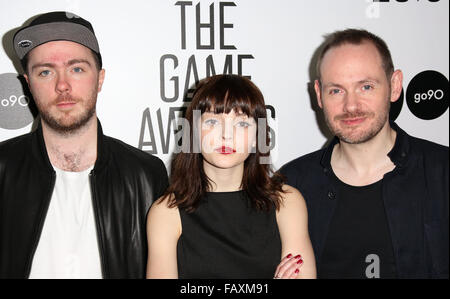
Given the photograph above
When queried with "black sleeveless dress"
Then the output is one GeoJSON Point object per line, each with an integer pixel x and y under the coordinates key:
{"type": "Point", "coordinates": [226, 238]}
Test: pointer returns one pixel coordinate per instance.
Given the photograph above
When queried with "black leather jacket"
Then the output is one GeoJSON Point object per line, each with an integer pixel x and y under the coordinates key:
{"type": "Point", "coordinates": [124, 183]}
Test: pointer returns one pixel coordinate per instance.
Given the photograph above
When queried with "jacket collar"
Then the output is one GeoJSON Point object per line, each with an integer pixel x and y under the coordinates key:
{"type": "Point", "coordinates": [40, 153]}
{"type": "Point", "coordinates": [398, 155]}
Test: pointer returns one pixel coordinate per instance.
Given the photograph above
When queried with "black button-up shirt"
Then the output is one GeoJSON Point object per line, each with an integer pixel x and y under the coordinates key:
{"type": "Point", "coordinates": [415, 196]}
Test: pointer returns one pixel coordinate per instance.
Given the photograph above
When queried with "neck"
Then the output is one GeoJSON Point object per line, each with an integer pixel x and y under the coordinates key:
{"type": "Point", "coordinates": [224, 180]}
{"type": "Point", "coordinates": [75, 151]}
{"type": "Point", "coordinates": [366, 156]}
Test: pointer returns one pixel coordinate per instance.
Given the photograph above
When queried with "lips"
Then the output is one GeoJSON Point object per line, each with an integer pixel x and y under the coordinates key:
{"type": "Point", "coordinates": [65, 104]}
{"type": "Point", "coordinates": [353, 121]}
{"type": "Point", "coordinates": [225, 150]}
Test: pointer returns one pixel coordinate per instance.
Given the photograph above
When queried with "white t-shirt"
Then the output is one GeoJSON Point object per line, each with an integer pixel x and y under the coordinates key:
{"type": "Point", "coordinates": [68, 246]}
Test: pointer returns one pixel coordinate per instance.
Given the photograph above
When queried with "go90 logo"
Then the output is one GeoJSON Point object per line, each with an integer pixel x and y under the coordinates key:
{"type": "Point", "coordinates": [427, 95]}
{"type": "Point", "coordinates": [16, 106]}
{"type": "Point", "coordinates": [23, 100]}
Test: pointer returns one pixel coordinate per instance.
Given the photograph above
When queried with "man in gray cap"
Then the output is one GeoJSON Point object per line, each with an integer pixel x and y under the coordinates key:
{"type": "Point", "coordinates": [73, 202]}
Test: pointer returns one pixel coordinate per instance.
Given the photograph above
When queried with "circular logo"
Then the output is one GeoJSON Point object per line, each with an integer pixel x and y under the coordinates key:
{"type": "Point", "coordinates": [16, 104]}
{"type": "Point", "coordinates": [25, 43]}
{"type": "Point", "coordinates": [427, 95]}
{"type": "Point", "coordinates": [396, 107]}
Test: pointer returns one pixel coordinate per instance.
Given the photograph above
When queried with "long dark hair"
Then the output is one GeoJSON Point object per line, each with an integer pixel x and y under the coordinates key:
{"type": "Point", "coordinates": [188, 181]}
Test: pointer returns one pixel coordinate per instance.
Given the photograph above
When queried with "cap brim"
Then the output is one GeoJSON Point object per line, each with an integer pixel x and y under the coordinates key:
{"type": "Point", "coordinates": [30, 37]}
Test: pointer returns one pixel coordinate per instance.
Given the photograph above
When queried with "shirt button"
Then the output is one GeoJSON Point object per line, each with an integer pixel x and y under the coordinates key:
{"type": "Point", "coordinates": [331, 195]}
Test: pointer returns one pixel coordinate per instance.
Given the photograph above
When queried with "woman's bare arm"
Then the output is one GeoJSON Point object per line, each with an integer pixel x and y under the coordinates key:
{"type": "Point", "coordinates": [163, 232]}
{"type": "Point", "coordinates": [292, 219]}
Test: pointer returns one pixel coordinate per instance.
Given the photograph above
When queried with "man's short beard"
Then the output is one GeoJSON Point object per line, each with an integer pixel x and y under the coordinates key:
{"type": "Point", "coordinates": [71, 128]}
{"type": "Point", "coordinates": [77, 123]}
{"type": "Point", "coordinates": [364, 138]}
{"type": "Point", "coordinates": [380, 121]}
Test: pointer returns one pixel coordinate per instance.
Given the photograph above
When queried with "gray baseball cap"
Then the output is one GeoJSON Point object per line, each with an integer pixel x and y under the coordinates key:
{"type": "Point", "coordinates": [54, 26]}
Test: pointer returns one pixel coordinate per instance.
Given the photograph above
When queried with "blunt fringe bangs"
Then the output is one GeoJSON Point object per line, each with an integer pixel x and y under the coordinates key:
{"type": "Point", "coordinates": [188, 181]}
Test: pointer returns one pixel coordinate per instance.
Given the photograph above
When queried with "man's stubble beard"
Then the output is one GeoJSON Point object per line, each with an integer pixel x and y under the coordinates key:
{"type": "Point", "coordinates": [78, 122]}
{"type": "Point", "coordinates": [365, 136]}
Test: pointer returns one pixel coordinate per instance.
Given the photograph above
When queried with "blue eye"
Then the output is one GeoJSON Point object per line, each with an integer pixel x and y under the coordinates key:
{"type": "Point", "coordinates": [44, 73]}
{"type": "Point", "coordinates": [334, 91]}
{"type": "Point", "coordinates": [211, 122]}
{"type": "Point", "coordinates": [243, 124]}
{"type": "Point", "coordinates": [367, 87]}
{"type": "Point", "coordinates": [77, 70]}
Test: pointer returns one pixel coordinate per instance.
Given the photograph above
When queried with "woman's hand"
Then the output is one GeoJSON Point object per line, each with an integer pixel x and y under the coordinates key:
{"type": "Point", "coordinates": [289, 267]}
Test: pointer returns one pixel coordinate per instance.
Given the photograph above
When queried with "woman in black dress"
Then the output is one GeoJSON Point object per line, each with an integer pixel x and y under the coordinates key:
{"type": "Point", "coordinates": [225, 214]}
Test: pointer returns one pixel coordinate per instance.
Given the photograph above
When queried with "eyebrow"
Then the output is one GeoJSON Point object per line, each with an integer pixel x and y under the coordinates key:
{"type": "Point", "coordinates": [331, 84]}
{"type": "Point", "coordinates": [75, 61]}
{"type": "Point", "coordinates": [370, 80]}
{"type": "Point", "coordinates": [69, 63]}
{"type": "Point", "coordinates": [37, 65]}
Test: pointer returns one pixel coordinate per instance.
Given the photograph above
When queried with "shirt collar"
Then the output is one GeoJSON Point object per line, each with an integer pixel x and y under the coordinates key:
{"type": "Point", "coordinates": [398, 155]}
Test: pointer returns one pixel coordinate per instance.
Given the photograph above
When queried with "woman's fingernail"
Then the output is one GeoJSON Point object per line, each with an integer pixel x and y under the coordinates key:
{"type": "Point", "coordinates": [298, 256]}
{"type": "Point", "coordinates": [300, 261]}
{"type": "Point", "coordinates": [289, 255]}
{"type": "Point", "coordinates": [296, 271]}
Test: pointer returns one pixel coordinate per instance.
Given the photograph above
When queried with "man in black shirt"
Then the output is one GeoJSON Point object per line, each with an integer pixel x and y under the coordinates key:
{"type": "Point", "coordinates": [377, 198]}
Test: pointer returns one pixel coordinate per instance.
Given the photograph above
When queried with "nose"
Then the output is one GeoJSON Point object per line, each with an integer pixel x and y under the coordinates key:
{"type": "Point", "coordinates": [227, 131]}
{"type": "Point", "coordinates": [351, 102]}
{"type": "Point", "coordinates": [62, 84]}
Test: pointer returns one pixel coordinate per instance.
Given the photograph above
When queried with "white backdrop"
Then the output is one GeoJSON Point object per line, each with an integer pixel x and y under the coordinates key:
{"type": "Point", "coordinates": [275, 42]}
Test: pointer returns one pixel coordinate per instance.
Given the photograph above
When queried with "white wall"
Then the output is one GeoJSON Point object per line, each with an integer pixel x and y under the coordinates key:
{"type": "Point", "coordinates": [281, 36]}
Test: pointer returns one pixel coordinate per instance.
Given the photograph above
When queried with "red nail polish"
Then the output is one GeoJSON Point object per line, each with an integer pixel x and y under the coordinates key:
{"type": "Point", "coordinates": [298, 256]}
{"type": "Point", "coordinates": [289, 255]}
{"type": "Point", "coordinates": [300, 261]}
{"type": "Point", "coordinates": [296, 271]}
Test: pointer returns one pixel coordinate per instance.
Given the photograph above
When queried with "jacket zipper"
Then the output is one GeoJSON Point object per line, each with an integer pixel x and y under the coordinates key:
{"type": "Point", "coordinates": [41, 225]}
{"type": "Point", "coordinates": [97, 223]}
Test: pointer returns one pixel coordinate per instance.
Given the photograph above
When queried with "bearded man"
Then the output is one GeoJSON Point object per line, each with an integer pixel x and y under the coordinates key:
{"type": "Point", "coordinates": [73, 202]}
{"type": "Point", "coordinates": [377, 198]}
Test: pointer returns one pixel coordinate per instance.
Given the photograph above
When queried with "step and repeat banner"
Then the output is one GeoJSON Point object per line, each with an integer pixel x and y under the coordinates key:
{"type": "Point", "coordinates": [155, 51]}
